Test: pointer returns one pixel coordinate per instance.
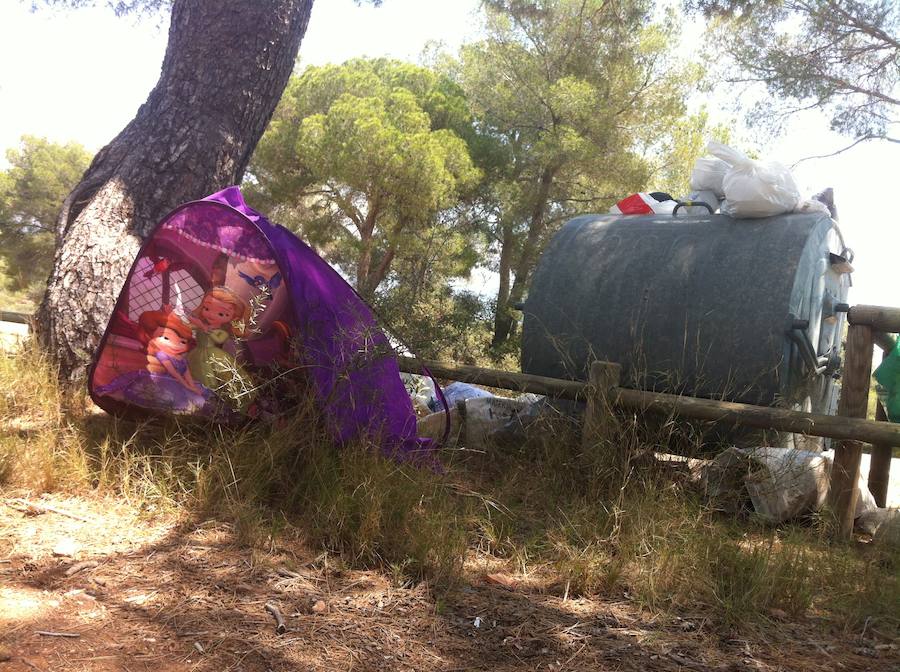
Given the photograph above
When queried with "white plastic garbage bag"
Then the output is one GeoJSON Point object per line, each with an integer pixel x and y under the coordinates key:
{"type": "Point", "coordinates": [486, 415]}
{"type": "Point", "coordinates": [434, 426]}
{"type": "Point", "coordinates": [865, 502]}
{"type": "Point", "coordinates": [755, 189]}
{"type": "Point", "coordinates": [705, 196]}
{"type": "Point", "coordinates": [787, 483]}
{"type": "Point", "coordinates": [474, 422]}
{"type": "Point", "coordinates": [782, 483]}
{"type": "Point", "coordinates": [708, 174]}
{"type": "Point", "coordinates": [421, 392]}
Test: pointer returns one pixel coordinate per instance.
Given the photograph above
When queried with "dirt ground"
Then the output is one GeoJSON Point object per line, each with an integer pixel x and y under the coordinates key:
{"type": "Point", "coordinates": [174, 595]}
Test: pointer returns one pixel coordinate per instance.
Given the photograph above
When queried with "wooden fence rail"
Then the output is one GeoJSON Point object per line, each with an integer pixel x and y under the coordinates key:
{"type": "Point", "coordinates": [879, 318]}
{"type": "Point", "coordinates": [17, 318]}
{"type": "Point", "coordinates": [760, 417]}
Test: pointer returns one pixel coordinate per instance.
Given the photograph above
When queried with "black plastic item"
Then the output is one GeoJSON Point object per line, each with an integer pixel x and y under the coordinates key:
{"type": "Point", "coordinates": [661, 196]}
{"type": "Point", "coordinates": [798, 333]}
{"type": "Point", "coordinates": [690, 204]}
{"type": "Point", "coordinates": [705, 305]}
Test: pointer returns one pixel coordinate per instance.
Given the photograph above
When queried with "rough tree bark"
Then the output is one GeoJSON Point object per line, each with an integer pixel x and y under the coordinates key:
{"type": "Point", "coordinates": [226, 65]}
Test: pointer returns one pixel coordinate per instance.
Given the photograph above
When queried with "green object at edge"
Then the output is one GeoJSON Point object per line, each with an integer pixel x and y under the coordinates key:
{"type": "Point", "coordinates": [888, 376]}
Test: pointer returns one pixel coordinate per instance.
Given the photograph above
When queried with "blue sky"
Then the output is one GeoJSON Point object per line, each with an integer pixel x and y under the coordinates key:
{"type": "Point", "coordinates": [81, 75]}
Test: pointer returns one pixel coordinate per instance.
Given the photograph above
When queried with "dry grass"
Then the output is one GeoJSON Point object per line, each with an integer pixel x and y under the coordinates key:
{"type": "Point", "coordinates": [569, 522]}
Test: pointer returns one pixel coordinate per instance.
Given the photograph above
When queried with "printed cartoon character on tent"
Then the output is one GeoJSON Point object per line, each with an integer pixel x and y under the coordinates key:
{"type": "Point", "coordinates": [214, 279]}
{"type": "Point", "coordinates": [165, 382]}
{"type": "Point", "coordinates": [221, 316]}
{"type": "Point", "coordinates": [227, 316]}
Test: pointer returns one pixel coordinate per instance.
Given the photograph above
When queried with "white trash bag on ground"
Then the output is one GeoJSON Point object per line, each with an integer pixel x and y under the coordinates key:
{"type": "Point", "coordinates": [787, 483]}
{"type": "Point", "coordinates": [477, 417]}
{"type": "Point", "coordinates": [485, 416]}
{"type": "Point", "coordinates": [781, 483]}
{"type": "Point", "coordinates": [421, 392]}
{"type": "Point", "coordinates": [755, 189]}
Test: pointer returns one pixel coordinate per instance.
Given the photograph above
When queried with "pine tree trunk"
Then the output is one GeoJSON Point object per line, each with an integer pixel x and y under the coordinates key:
{"type": "Point", "coordinates": [502, 315]}
{"type": "Point", "coordinates": [226, 65]}
{"type": "Point", "coordinates": [531, 249]}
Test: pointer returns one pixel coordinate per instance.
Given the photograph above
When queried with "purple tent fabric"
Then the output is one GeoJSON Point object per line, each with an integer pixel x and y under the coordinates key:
{"type": "Point", "coordinates": [347, 357]}
{"type": "Point", "coordinates": [356, 374]}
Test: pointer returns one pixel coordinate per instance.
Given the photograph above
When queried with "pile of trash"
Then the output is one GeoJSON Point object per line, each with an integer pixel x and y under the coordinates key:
{"type": "Point", "coordinates": [733, 184]}
{"type": "Point", "coordinates": [775, 484]}
{"type": "Point", "coordinates": [478, 418]}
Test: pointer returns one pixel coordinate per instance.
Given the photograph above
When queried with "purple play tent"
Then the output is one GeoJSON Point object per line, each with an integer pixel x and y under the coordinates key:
{"type": "Point", "coordinates": [225, 315]}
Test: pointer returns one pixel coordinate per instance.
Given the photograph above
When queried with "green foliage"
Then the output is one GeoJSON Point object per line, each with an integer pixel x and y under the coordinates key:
{"type": "Point", "coordinates": [41, 174]}
{"type": "Point", "coordinates": [680, 148]}
{"type": "Point", "coordinates": [382, 166]}
{"type": "Point", "coordinates": [840, 57]}
{"type": "Point", "coordinates": [441, 323]}
{"type": "Point", "coordinates": [583, 100]}
{"type": "Point", "coordinates": [367, 161]}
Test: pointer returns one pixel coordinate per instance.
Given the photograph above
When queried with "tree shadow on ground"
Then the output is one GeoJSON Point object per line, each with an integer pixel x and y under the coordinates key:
{"type": "Point", "coordinates": [196, 600]}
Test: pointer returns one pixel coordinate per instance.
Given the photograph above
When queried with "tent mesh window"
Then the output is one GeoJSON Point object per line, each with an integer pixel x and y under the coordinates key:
{"type": "Point", "coordinates": [151, 293]}
{"type": "Point", "coordinates": [183, 283]}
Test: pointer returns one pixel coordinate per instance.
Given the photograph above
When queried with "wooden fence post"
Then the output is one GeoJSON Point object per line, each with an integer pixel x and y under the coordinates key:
{"type": "Point", "coordinates": [599, 421]}
{"type": "Point", "coordinates": [854, 403]}
{"type": "Point", "coordinates": [880, 465]}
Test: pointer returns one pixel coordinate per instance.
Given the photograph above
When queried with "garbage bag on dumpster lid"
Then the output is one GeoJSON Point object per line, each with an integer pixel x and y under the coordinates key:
{"type": "Point", "coordinates": [708, 174]}
{"type": "Point", "coordinates": [706, 196]}
{"type": "Point", "coordinates": [656, 202]}
{"type": "Point", "coordinates": [755, 189]}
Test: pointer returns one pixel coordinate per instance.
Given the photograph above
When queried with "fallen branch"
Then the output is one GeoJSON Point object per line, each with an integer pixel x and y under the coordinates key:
{"type": "Point", "coordinates": [47, 633]}
{"type": "Point", "coordinates": [34, 508]}
{"type": "Point", "coordinates": [78, 566]}
{"type": "Point", "coordinates": [280, 627]}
